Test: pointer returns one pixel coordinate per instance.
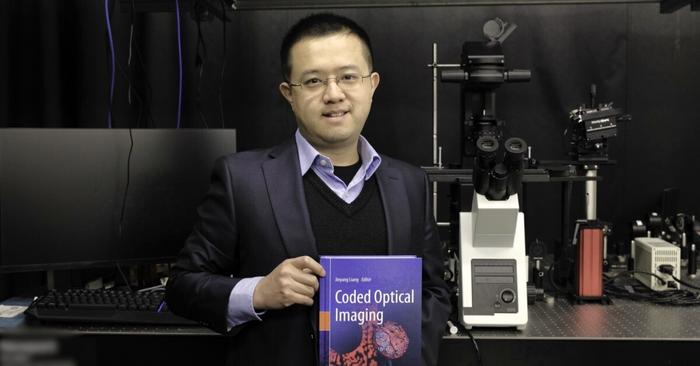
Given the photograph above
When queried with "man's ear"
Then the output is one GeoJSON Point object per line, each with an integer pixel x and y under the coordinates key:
{"type": "Point", "coordinates": [374, 78]}
{"type": "Point", "coordinates": [286, 91]}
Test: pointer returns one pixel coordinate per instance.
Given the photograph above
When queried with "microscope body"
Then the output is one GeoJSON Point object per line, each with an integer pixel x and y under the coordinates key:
{"type": "Point", "coordinates": [493, 274]}
{"type": "Point", "coordinates": [493, 270]}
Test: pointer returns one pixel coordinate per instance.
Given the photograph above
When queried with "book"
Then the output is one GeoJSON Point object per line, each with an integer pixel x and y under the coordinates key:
{"type": "Point", "coordinates": [370, 310]}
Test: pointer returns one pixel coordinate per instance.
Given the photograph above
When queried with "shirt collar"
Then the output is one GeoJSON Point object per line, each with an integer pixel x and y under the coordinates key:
{"type": "Point", "coordinates": [308, 155]}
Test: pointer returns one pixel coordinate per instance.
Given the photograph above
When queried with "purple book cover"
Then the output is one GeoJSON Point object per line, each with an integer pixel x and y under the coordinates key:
{"type": "Point", "coordinates": [370, 310]}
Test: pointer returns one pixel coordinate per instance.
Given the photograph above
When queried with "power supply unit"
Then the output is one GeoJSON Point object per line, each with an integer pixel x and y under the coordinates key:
{"type": "Point", "coordinates": [649, 255]}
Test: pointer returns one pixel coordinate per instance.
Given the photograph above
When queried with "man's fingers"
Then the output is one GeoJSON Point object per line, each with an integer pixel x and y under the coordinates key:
{"type": "Point", "coordinates": [297, 298]}
{"type": "Point", "coordinates": [306, 262]}
{"type": "Point", "coordinates": [306, 279]}
{"type": "Point", "coordinates": [294, 281]}
{"type": "Point", "coordinates": [302, 289]}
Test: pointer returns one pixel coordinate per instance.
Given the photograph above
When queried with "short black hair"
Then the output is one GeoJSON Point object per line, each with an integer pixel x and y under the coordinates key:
{"type": "Point", "coordinates": [318, 25]}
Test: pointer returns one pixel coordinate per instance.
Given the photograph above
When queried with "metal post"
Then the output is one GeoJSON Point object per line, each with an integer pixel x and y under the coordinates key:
{"type": "Point", "coordinates": [435, 148]}
{"type": "Point", "coordinates": [591, 192]}
{"type": "Point", "coordinates": [437, 157]}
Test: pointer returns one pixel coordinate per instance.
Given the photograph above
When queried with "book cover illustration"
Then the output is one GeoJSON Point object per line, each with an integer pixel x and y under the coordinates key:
{"type": "Point", "coordinates": [370, 311]}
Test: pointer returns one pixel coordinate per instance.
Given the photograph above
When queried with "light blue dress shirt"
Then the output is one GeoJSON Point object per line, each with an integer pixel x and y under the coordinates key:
{"type": "Point", "coordinates": [240, 303]}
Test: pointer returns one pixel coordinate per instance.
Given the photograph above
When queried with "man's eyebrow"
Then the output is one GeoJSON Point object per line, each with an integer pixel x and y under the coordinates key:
{"type": "Point", "coordinates": [307, 72]}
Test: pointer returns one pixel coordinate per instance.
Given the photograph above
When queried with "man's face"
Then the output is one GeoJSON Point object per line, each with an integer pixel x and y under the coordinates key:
{"type": "Point", "coordinates": [330, 116]}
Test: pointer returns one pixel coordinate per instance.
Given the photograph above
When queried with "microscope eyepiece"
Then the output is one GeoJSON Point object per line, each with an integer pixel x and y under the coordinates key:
{"type": "Point", "coordinates": [485, 159]}
{"type": "Point", "coordinates": [486, 150]}
{"type": "Point", "coordinates": [515, 150]}
{"type": "Point", "coordinates": [515, 153]}
{"type": "Point", "coordinates": [516, 145]}
{"type": "Point", "coordinates": [487, 144]}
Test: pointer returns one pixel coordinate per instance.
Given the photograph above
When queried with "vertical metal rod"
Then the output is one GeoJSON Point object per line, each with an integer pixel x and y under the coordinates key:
{"type": "Point", "coordinates": [435, 200]}
{"type": "Point", "coordinates": [591, 193]}
{"type": "Point", "coordinates": [605, 248]}
{"type": "Point", "coordinates": [435, 149]}
{"type": "Point", "coordinates": [566, 191]}
{"type": "Point", "coordinates": [684, 245]}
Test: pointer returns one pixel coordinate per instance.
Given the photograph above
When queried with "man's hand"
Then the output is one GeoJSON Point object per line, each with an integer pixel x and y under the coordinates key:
{"type": "Point", "coordinates": [293, 281]}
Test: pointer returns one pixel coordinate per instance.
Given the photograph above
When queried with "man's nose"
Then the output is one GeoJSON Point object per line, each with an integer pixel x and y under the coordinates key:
{"type": "Point", "coordinates": [333, 92]}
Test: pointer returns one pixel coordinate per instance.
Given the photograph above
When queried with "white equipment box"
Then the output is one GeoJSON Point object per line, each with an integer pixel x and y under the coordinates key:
{"type": "Point", "coordinates": [649, 255]}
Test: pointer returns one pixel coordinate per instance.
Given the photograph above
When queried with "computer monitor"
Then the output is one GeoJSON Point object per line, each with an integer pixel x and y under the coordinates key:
{"type": "Point", "coordinates": [76, 198]}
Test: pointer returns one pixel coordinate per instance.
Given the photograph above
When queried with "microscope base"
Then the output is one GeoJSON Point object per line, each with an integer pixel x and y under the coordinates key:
{"type": "Point", "coordinates": [493, 279]}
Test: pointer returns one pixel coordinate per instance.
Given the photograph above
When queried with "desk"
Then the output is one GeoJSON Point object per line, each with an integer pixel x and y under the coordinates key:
{"type": "Point", "coordinates": [625, 333]}
{"type": "Point", "coordinates": [106, 345]}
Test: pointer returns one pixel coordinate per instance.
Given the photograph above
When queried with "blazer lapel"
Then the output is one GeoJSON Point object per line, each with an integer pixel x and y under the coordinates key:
{"type": "Point", "coordinates": [286, 191]}
{"type": "Point", "coordinates": [396, 209]}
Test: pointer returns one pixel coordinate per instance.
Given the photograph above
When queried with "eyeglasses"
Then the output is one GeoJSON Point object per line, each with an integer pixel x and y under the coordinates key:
{"type": "Point", "coordinates": [346, 82]}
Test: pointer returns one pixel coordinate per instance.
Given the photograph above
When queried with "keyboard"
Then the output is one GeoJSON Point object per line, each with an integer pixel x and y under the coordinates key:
{"type": "Point", "coordinates": [104, 306]}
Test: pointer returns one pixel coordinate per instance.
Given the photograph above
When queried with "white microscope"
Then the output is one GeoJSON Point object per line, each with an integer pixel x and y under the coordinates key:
{"type": "Point", "coordinates": [493, 266]}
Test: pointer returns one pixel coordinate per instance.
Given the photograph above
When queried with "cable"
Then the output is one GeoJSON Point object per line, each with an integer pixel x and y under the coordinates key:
{"type": "Point", "coordinates": [642, 293]}
{"type": "Point", "coordinates": [638, 292]}
{"type": "Point", "coordinates": [668, 269]}
{"type": "Point", "coordinates": [623, 273]}
{"type": "Point", "coordinates": [136, 93]}
{"type": "Point", "coordinates": [126, 282]}
{"type": "Point", "coordinates": [476, 347]}
{"type": "Point", "coordinates": [131, 42]}
{"type": "Point", "coordinates": [148, 92]}
{"type": "Point", "coordinates": [223, 62]}
{"type": "Point", "coordinates": [686, 284]}
{"type": "Point", "coordinates": [156, 288]}
{"type": "Point", "coordinates": [179, 58]}
{"type": "Point", "coordinates": [128, 75]}
{"type": "Point", "coordinates": [200, 61]}
{"type": "Point", "coordinates": [128, 179]}
{"type": "Point", "coordinates": [111, 52]}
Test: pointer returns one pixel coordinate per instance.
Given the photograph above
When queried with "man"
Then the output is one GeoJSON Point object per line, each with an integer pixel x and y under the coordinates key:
{"type": "Point", "coordinates": [250, 267]}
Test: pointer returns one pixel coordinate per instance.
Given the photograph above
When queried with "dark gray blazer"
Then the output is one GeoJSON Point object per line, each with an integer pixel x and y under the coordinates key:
{"type": "Point", "coordinates": [255, 216]}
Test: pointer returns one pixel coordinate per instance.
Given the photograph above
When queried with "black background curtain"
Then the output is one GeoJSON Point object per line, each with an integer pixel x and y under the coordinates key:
{"type": "Point", "coordinates": [54, 72]}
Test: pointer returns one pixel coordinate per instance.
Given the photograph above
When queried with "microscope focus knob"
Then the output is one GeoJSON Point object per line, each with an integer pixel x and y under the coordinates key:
{"type": "Point", "coordinates": [507, 296]}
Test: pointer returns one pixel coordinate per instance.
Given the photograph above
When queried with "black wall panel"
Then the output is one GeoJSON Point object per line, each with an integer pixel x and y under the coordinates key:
{"type": "Point", "coordinates": [55, 72]}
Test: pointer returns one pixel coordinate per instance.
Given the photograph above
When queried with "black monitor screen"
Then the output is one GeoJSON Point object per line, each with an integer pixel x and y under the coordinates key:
{"type": "Point", "coordinates": [73, 198]}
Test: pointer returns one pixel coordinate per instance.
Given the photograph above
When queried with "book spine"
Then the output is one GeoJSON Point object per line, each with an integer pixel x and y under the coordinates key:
{"type": "Point", "coordinates": [324, 316]}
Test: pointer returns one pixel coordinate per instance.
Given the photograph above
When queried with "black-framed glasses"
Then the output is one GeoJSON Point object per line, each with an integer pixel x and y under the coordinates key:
{"type": "Point", "coordinates": [346, 82]}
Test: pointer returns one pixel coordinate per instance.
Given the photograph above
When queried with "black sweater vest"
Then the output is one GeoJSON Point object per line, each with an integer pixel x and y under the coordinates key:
{"type": "Point", "coordinates": [340, 228]}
